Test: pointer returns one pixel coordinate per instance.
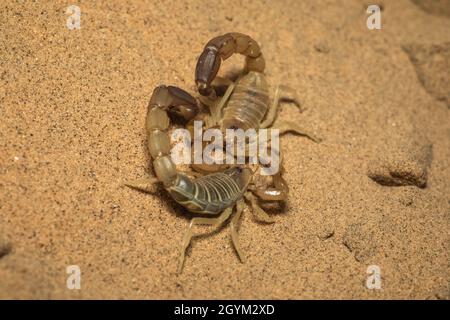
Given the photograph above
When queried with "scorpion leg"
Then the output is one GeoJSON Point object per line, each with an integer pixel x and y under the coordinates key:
{"type": "Point", "coordinates": [286, 126]}
{"type": "Point", "coordinates": [221, 84]}
{"type": "Point", "coordinates": [281, 93]}
{"type": "Point", "coordinates": [176, 101]}
{"type": "Point", "coordinates": [143, 184]}
{"type": "Point", "coordinates": [221, 48]}
{"type": "Point", "coordinates": [216, 113]}
{"type": "Point", "coordinates": [233, 228]}
{"type": "Point", "coordinates": [278, 192]}
{"type": "Point", "coordinates": [196, 221]}
{"type": "Point", "coordinates": [258, 212]}
{"type": "Point", "coordinates": [273, 110]}
{"type": "Point", "coordinates": [212, 121]}
{"type": "Point", "coordinates": [290, 94]}
{"type": "Point", "coordinates": [216, 107]}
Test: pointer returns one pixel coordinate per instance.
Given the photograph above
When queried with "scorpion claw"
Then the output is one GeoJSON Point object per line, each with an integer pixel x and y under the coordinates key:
{"type": "Point", "coordinates": [207, 67]}
{"type": "Point", "coordinates": [203, 88]}
{"type": "Point", "coordinates": [221, 48]}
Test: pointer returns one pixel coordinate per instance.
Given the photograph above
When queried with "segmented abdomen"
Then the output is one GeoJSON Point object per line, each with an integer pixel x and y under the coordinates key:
{"type": "Point", "coordinates": [248, 104]}
{"type": "Point", "coordinates": [210, 194]}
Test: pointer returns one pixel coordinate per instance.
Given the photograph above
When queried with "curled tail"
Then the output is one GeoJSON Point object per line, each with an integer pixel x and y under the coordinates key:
{"type": "Point", "coordinates": [210, 194]}
{"type": "Point", "coordinates": [221, 48]}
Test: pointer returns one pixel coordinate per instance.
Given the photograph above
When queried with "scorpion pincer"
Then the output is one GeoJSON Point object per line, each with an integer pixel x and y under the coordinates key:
{"type": "Point", "coordinates": [244, 105]}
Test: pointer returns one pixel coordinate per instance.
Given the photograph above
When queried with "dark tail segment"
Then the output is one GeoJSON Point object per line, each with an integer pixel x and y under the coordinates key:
{"type": "Point", "coordinates": [221, 48]}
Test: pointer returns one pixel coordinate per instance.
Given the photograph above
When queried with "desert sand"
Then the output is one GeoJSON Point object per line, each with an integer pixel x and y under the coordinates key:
{"type": "Point", "coordinates": [375, 191]}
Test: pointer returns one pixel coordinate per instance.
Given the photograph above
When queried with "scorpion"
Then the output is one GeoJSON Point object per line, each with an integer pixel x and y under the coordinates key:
{"type": "Point", "coordinates": [245, 104]}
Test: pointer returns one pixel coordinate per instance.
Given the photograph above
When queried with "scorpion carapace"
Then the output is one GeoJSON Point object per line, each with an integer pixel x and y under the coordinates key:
{"type": "Point", "coordinates": [244, 105]}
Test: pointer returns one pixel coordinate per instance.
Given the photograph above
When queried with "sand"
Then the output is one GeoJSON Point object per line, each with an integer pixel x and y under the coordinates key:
{"type": "Point", "coordinates": [375, 191]}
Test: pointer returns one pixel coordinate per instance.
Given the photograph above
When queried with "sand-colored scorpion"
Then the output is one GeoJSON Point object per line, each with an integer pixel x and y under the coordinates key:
{"type": "Point", "coordinates": [244, 105]}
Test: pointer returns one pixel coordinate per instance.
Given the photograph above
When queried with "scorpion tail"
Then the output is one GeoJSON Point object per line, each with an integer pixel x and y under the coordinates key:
{"type": "Point", "coordinates": [221, 48]}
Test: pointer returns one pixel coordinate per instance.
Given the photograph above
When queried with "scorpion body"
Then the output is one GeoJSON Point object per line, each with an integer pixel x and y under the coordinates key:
{"type": "Point", "coordinates": [245, 109]}
{"type": "Point", "coordinates": [245, 105]}
{"type": "Point", "coordinates": [209, 194]}
{"type": "Point", "coordinates": [248, 103]}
